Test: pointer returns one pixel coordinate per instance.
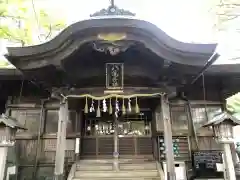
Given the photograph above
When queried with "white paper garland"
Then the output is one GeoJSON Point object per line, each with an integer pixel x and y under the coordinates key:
{"type": "Point", "coordinates": [104, 106]}
{"type": "Point", "coordinates": [92, 107]}
{"type": "Point", "coordinates": [129, 105]}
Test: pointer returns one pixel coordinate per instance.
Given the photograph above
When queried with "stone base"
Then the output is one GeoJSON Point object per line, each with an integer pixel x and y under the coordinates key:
{"type": "Point", "coordinates": [59, 177]}
{"type": "Point", "coordinates": [237, 169]}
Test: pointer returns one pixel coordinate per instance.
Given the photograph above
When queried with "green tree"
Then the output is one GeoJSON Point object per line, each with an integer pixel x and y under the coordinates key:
{"type": "Point", "coordinates": [21, 22]}
{"type": "Point", "coordinates": [233, 105]}
{"type": "Point", "coordinates": [226, 12]}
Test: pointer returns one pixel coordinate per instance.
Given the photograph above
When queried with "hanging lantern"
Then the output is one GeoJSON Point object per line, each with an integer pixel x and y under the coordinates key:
{"type": "Point", "coordinates": [86, 106]}
{"type": "Point", "coordinates": [137, 107]}
{"type": "Point", "coordinates": [98, 110]}
{"type": "Point", "coordinates": [110, 106]}
{"type": "Point", "coordinates": [123, 108]}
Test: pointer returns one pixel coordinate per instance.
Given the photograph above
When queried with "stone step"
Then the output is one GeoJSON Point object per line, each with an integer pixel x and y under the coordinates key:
{"type": "Point", "coordinates": [97, 167]}
{"type": "Point", "coordinates": [106, 161]}
{"type": "Point", "coordinates": [93, 161]}
{"type": "Point", "coordinates": [94, 164]}
{"type": "Point", "coordinates": [120, 178]}
{"type": "Point", "coordinates": [122, 166]}
{"type": "Point", "coordinates": [108, 174]}
{"type": "Point", "coordinates": [143, 166]}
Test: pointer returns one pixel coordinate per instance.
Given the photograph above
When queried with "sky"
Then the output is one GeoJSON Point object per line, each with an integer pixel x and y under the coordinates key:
{"type": "Point", "coordinates": [185, 20]}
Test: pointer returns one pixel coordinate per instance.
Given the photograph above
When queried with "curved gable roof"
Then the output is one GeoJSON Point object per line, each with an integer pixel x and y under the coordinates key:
{"type": "Point", "coordinates": [153, 37]}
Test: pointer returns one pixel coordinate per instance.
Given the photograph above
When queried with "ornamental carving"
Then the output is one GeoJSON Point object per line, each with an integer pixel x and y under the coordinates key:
{"type": "Point", "coordinates": [111, 48]}
{"type": "Point", "coordinates": [112, 11]}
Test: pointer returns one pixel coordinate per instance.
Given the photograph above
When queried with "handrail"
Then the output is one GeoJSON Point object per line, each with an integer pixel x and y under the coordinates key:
{"type": "Point", "coordinates": [72, 172]}
{"type": "Point", "coordinates": [160, 170]}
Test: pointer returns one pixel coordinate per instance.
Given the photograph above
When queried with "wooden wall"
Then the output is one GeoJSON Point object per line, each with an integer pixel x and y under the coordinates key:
{"type": "Point", "coordinates": [181, 125]}
{"type": "Point", "coordinates": [34, 154]}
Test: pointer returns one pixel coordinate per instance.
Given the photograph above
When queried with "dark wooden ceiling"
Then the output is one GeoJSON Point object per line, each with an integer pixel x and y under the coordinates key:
{"type": "Point", "coordinates": [86, 68]}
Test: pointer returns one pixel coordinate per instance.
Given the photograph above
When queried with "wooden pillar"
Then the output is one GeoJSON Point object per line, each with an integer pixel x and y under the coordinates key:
{"type": "Point", "coordinates": [78, 132]}
{"type": "Point", "coordinates": [165, 111]}
{"type": "Point", "coordinates": [116, 149]}
{"type": "Point", "coordinates": [234, 154]}
{"type": "Point", "coordinates": [61, 141]}
{"type": "Point", "coordinates": [3, 161]}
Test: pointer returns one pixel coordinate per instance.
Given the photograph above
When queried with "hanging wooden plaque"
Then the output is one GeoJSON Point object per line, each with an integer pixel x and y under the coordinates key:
{"type": "Point", "coordinates": [114, 77]}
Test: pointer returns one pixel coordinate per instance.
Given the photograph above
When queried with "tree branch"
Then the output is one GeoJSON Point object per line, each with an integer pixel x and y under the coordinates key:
{"type": "Point", "coordinates": [232, 17]}
{"type": "Point", "coordinates": [235, 58]}
{"type": "Point", "coordinates": [9, 36]}
{"type": "Point", "coordinates": [222, 3]}
{"type": "Point", "coordinates": [229, 5]}
{"type": "Point", "coordinates": [50, 32]}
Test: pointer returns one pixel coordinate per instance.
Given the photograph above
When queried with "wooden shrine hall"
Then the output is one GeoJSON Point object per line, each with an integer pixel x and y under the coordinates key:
{"type": "Point", "coordinates": [113, 96]}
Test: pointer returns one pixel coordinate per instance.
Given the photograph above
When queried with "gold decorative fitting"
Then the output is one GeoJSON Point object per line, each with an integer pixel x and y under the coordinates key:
{"type": "Point", "coordinates": [112, 36]}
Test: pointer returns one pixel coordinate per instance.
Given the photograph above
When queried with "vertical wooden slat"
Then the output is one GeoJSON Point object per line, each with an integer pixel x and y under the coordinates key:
{"type": "Point", "coordinates": [135, 145]}
{"type": "Point", "coordinates": [105, 147]}
{"type": "Point", "coordinates": [40, 133]}
{"type": "Point", "coordinates": [97, 148]}
{"type": "Point", "coordinates": [88, 147]}
{"type": "Point", "coordinates": [26, 151]}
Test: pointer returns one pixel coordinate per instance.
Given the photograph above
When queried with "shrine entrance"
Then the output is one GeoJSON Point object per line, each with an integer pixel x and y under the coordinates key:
{"type": "Point", "coordinates": [129, 135]}
{"type": "Point", "coordinates": [110, 60]}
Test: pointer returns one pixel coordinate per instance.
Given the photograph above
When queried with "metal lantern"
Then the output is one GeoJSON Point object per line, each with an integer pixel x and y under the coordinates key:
{"type": "Point", "coordinates": [222, 125]}
{"type": "Point", "coordinates": [8, 129]}
{"type": "Point", "coordinates": [223, 130]}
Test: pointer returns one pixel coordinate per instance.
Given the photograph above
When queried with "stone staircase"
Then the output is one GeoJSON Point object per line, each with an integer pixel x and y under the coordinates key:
{"type": "Point", "coordinates": [128, 169]}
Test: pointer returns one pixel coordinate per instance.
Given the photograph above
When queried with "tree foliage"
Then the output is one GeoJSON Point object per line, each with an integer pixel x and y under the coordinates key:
{"type": "Point", "coordinates": [226, 11]}
{"type": "Point", "coordinates": [21, 22]}
{"type": "Point", "coordinates": [233, 105]}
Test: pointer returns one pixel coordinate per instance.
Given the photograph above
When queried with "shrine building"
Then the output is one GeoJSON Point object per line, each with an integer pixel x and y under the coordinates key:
{"type": "Point", "coordinates": [113, 97]}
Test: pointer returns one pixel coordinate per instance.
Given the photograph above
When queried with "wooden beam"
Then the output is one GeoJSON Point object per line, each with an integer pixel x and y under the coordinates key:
{"type": "Point", "coordinates": [61, 141]}
{"type": "Point", "coordinates": [99, 91]}
{"type": "Point", "coordinates": [165, 111]}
